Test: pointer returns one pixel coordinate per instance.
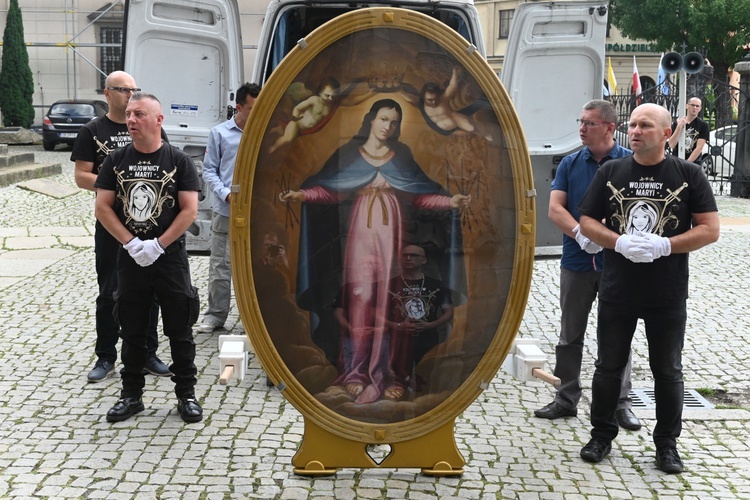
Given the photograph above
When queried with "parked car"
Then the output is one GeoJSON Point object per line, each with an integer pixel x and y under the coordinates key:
{"type": "Point", "coordinates": [718, 155]}
{"type": "Point", "coordinates": [65, 118]}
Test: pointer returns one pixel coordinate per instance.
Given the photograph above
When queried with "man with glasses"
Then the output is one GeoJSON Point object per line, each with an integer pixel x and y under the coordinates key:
{"type": "Point", "coordinates": [581, 262]}
{"type": "Point", "coordinates": [696, 132]}
{"type": "Point", "coordinates": [95, 141]}
{"type": "Point", "coordinates": [421, 308]}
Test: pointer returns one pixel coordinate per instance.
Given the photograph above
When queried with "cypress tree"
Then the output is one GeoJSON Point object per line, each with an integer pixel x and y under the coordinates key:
{"type": "Point", "coordinates": [16, 79]}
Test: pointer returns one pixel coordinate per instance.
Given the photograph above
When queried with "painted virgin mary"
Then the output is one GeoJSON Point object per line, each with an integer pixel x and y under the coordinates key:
{"type": "Point", "coordinates": [361, 201]}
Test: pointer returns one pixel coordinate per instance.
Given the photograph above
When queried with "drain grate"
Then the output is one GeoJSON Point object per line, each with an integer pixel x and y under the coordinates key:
{"type": "Point", "coordinates": [644, 398]}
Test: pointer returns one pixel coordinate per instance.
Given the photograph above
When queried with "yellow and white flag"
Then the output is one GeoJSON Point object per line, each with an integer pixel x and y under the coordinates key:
{"type": "Point", "coordinates": [611, 78]}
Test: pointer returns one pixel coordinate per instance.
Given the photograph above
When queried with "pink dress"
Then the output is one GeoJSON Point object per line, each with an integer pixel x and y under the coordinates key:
{"type": "Point", "coordinates": [372, 250]}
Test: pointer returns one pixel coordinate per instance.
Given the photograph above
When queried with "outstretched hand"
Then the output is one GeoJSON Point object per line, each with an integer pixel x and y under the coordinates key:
{"type": "Point", "coordinates": [290, 196]}
{"type": "Point", "coordinates": [460, 200]}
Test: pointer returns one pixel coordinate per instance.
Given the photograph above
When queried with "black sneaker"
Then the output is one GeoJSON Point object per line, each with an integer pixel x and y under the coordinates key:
{"type": "Point", "coordinates": [189, 410]}
{"type": "Point", "coordinates": [124, 409]}
{"type": "Point", "coordinates": [596, 450]}
{"type": "Point", "coordinates": [668, 460]}
{"type": "Point", "coordinates": [102, 369]}
{"type": "Point", "coordinates": [157, 367]}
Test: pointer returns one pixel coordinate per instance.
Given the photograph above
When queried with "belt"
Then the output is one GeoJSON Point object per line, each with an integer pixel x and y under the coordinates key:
{"type": "Point", "coordinates": [375, 194]}
{"type": "Point", "coordinates": [176, 246]}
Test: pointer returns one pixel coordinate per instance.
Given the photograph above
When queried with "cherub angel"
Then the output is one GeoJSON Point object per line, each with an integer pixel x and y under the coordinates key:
{"type": "Point", "coordinates": [313, 112]}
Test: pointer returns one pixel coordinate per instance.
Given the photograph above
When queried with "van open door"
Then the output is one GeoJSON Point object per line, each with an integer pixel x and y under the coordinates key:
{"type": "Point", "coordinates": [189, 54]}
{"type": "Point", "coordinates": [554, 64]}
{"type": "Point", "coordinates": [288, 21]}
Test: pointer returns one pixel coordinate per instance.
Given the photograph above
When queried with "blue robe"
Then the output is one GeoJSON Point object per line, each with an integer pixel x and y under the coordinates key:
{"type": "Point", "coordinates": [324, 228]}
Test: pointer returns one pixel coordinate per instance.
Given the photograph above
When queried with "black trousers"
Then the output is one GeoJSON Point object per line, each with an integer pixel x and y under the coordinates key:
{"type": "Point", "coordinates": [168, 279]}
{"type": "Point", "coordinates": [106, 249]}
{"type": "Point", "coordinates": [665, 333]}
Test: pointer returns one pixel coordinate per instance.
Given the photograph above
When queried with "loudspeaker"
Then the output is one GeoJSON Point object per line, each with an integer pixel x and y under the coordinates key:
{"type": "Point", "coordinates": [671, 62]}
{"type": "Point", "coordinates": [692, 63]}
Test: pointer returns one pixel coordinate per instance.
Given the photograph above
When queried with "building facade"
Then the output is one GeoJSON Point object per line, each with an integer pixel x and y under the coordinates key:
{"type": "Point", "coordinates": [74, 44]}
{"type": "Point", "coordinates": [497, 16]}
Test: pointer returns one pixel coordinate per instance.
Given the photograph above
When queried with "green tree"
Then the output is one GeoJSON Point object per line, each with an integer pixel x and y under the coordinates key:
{"type": "Point", "coordinates": [16, 79]}
{"type": "Point", "coordinates": [720, 27]}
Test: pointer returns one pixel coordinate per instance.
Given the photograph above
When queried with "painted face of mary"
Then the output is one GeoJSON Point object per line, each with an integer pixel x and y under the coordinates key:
{"type": "Point", "coordinates": [384, 124]}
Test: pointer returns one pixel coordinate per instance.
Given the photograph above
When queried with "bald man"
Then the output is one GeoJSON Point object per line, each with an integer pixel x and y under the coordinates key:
{"type": "Point", "coordinates": [696, 130]}
{"type": "Point", "coordinates": [94, 142]}
{"type": "Point", "coordinates": [645, 274]}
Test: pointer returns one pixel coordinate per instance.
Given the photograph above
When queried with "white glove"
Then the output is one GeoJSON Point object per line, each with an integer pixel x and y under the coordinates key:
{"type": "Point", "coordinates": [586, 244]}
{"type": "Point", "coordinates": [133, 246]}
{"type": "Point", "coordinates": [662, 247]}
{"type": "Point", "coordinates": [149, 253]}
{"type": "Point", "coordinates": [635, 248]}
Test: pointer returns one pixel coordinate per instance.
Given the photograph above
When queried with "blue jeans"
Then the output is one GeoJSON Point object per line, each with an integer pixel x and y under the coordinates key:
{"type": "Point", "coordinates": [665, 333]}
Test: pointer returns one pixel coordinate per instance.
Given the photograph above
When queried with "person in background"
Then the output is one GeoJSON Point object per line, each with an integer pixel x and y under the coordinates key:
{"type": "Point", "coordinates": [581, 262]}
{"type": "Point", "coordinates": [218, 170]}
{"type": "Point", "coordinates": [421, 311]}
{"type": "Point", "coordinates": [97, 139]}
{"type": "Point", "coordinates": [696, 131]}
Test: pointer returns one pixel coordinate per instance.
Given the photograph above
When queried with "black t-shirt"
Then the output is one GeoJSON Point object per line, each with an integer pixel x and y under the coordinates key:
{"type": "Point", "coordinates": [418, 300]}
{"type": "Point", "coordinates": [146, 187]}
{"type": "Point", "coordinates": [98, 138]}
{"type": "Point", "coordinates": [696, 129]}
{"type": "Point", "coordinates": [657, 199]}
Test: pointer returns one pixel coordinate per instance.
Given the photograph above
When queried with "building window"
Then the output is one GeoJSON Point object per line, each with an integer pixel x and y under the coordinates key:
{"type": "Point", "coordinates": [109, 57]}
{"type": "Point", "coordinates": [506, 16]}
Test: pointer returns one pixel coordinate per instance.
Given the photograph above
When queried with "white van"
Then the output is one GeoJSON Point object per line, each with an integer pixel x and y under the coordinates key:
{"type": "Point", "coordinates": [189, 54]}
{"type": "Point", "coordinates": [554, 64]}
{"type": "Point", "coordinates": [288, 21]}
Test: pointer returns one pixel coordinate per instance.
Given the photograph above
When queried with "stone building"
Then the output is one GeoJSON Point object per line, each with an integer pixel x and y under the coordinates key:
{"type": "Point", "coordinates": [73, 44]}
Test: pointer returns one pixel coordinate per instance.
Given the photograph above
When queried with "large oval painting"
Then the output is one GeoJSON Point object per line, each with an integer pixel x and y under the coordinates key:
{"type": "Point", "coordinates": [382, 238]}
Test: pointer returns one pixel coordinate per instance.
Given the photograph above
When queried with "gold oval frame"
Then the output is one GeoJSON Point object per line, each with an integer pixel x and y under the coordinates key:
{"type": "Point", "coordinates": [240, 217]}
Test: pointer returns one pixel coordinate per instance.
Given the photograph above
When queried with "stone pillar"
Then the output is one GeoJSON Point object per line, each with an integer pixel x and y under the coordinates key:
{"type": "Point", "coordinates": [741, 177]}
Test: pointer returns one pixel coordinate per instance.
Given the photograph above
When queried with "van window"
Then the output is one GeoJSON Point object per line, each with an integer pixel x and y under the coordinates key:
{"type": "Point", "coordinates": [299, 21]}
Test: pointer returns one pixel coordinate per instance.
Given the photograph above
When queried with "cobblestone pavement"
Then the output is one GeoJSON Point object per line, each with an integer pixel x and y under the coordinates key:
{"type": "Point", "coordinates": [55, 442]}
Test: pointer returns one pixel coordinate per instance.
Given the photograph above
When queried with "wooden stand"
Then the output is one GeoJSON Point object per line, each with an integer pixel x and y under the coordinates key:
{"type": "Point", "coordinates": [322, 453]}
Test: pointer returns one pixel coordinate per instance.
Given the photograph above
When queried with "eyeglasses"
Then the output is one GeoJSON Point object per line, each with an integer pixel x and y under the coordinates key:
{"type": "Point", "coordinates": [124, 90]}
{"type": "Point", "coordinates": [412, 256]}
{"type": "Point", "coordinates": [589, 124]}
